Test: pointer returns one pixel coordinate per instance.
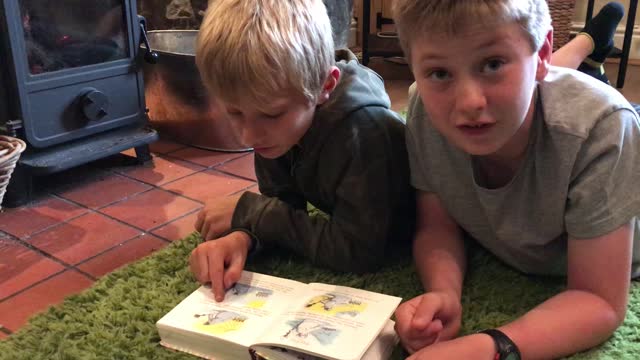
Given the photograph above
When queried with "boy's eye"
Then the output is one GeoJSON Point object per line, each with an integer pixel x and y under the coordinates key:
{"type": "Point", "coordinates": [438, 75]}
{"type": "Point", "coordinates": [492, 65]}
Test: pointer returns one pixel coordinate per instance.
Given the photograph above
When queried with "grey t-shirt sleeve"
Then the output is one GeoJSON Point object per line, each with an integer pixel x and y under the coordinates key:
{"type": "Point", "coordinates": [414, 132]}
{"type": "Point", "coordinates": [603, 192]}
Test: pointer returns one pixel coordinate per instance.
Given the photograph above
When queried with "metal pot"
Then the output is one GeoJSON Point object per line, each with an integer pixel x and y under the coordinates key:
{"type": "Point", "coordinates": [179, 106]}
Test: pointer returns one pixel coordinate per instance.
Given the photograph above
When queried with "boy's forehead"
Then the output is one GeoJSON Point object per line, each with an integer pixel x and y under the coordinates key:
{"type": "Point", "coordinates": [248, 102]}
{"type": "Point", "coordinates": [470, 37]}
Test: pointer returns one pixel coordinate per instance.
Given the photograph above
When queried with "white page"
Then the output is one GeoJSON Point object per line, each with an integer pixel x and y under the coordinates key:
{"type": "Point", "coordinates": [247, 311]}
{"type": "Point", "coordinates": [334, 321]}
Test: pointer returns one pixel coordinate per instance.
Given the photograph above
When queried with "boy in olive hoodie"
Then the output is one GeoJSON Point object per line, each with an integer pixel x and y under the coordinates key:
{"type": "Point", "coordinates": [323, 133]}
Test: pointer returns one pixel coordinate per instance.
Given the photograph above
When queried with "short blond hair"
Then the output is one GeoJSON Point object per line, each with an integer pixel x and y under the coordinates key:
{"type": "Point", "coordinates": [416, 17]}
{"type": "Point", "coordinates": [248, 50]}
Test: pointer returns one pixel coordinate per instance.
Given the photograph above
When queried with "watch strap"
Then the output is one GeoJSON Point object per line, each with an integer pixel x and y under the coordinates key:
{"type": "Point", "coordinates": [505, 347]}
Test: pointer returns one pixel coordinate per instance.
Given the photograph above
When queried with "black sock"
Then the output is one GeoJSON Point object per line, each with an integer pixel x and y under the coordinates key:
{"type": "Point", "coordinates": [602, 28]}
{"type": "Point", "coordinates": [594, 71]}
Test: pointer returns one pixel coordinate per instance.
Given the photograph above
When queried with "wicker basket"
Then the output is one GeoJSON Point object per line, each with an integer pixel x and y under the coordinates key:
{"type": "Point", "coordinates": [10, 150]}
{"type": "Point", "coordinates": [561, 16]}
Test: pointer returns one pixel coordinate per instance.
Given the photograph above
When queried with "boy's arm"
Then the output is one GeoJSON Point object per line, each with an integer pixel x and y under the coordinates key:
{"type": "Point", "coordinates": [440, 258]}
{"type": "Point", "coordinates": [365, 177]}
{"type": "Point", "coordinates": [582, 316]}
{"type": "Point", "coordinates": [438, 247]}
{"type": "Point", "coordinates": [590, 309]}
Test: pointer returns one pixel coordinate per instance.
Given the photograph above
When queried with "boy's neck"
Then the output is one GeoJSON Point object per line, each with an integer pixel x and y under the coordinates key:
{"type": "Point", "coordinates": [499, 168]}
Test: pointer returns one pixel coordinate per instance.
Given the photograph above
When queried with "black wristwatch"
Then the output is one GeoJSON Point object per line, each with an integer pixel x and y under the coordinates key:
{"type": "Point", "coordinates": [505, 348]}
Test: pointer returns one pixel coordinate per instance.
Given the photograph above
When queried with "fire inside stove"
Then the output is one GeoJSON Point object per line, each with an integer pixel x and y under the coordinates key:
{"type": "Point", "coordinates": [71, 84]}
{"type": "Point", "coordinates": [79, 36]}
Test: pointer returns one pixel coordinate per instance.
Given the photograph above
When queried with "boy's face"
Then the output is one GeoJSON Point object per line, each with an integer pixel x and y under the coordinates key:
{"type": "Point", "coordinates": [477, 86]}
{"type": "Point", "coordinates": [273, 130]}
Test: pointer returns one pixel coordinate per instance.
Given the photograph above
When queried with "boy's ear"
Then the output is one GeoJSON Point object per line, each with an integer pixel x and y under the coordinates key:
{"type": "Point", "coordinates": [329, 85]}
{"type": "Point", "coordinates": [544, 57]}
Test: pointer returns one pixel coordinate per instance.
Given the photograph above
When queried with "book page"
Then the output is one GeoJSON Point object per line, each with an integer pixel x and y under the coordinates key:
{"type": "Point", "coordinates": [333, 322]}
{"type": "Point", "coordinates": [381, 348]}
{"type": "Point", "coordinates": [246, 312]}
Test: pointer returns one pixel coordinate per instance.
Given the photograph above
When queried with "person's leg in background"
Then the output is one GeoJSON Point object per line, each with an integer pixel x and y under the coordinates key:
{"type": "Point", "coordinates": [589, 49]}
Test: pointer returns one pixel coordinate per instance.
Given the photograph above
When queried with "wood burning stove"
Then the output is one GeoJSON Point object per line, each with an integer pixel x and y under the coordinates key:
{"type": "Point", "coordinates": [71, 84]}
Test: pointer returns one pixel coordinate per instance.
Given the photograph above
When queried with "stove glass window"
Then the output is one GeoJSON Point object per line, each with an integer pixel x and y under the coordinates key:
{"type": "Point", "coordinates": [66, 34]}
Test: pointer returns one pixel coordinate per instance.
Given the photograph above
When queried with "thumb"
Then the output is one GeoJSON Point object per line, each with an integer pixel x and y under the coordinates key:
{"type": "Point", "coordinates": [234, 270]}
{"type": "Point", "coordinates": [425, 312]}
{"type": "Point", "coordinates": [434, 329]}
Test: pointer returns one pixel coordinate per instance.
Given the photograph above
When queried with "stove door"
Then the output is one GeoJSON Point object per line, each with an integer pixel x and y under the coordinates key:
{"type": "Point", "coordinates": [75, 64]}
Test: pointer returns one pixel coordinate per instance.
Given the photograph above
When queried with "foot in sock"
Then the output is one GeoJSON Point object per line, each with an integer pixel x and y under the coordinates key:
{"type": "Point", "coordinates": [594, 71]}
{"type": "Point", "coordinates": [601, 30]}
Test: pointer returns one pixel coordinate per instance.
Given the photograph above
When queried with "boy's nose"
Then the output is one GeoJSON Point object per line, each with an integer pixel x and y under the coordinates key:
{"type": "Point", "coordinates": [249, 136]}
{"type": "Point", "coordinates": [470, 98]}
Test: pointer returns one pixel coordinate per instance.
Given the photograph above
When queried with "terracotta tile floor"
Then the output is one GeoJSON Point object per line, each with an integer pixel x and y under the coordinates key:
{"type": "Point", "coordinates": [88, 221]}
{"type": "Point", "coordinates": [95, 218]}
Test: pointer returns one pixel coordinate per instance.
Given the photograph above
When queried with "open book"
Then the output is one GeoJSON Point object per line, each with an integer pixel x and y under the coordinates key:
{"type": "Point", "coordinates": [266, 317]}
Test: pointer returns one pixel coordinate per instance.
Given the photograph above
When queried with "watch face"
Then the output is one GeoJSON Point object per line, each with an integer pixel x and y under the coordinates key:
{"type": "Point", "coordinates": [511, 356]}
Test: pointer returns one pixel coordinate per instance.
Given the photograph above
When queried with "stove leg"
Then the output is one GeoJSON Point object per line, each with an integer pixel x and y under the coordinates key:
{"type": "Point", "coordinates": [20, 188]}
{"type": "Point", "coordinates": [143, 154]}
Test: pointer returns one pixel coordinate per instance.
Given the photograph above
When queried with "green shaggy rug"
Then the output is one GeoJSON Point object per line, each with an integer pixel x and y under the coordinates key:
{"type": "Point", "coordinates": [115, 319]}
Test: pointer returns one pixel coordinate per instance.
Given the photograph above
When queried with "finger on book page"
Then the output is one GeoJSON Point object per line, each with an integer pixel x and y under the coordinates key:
{"type": "Point", "coordinates": [216, 276]}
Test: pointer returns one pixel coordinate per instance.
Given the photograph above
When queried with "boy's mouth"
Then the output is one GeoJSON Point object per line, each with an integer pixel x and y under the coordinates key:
{"type": "Point", "coordinates": [475, 128]}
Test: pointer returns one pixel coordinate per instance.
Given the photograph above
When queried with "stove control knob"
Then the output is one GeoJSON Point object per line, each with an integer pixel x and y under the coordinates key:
{"type": "Point", "coordinates": [95, 104]}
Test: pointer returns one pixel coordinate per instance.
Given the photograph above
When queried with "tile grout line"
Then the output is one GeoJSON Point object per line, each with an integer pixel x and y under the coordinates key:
{"type": "Point", "coordinates": [89, 210]}
{"type": "Point", "coordinates": [66, 265]}
{"type": "Point", "coordinates": [116, 246]}
{"type": "Point", "coordinates": [200, 201]}
{"type": "Point", "coordinates": [172, 221]}
{"type": "Point", "coordinates": [243, 190]}
{"type": "Point", "coordinates": [204, 168]}
{"type": "Point", "coordinates": [45, 254]}
{"type": "Point", "coordinates": [159, 186]}
{"type": "Point", "coordinates": [208, 166]}
{"type": "Point", "coordinates": [236, 175]}
{"type": "Point", "coordinates": [37, 232]}
{"type": "Point", "coordinates": [97, 211]}
{"type": "Point", "coordinates": [73, 266]}
{"type": "Point", "coordinates": [110, 173]}
{"type": "Point", "coordinates": [9, 297]}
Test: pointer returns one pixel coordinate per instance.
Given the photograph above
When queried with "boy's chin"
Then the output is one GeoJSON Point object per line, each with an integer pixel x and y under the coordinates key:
{"type": "Point", "coordinates": [479, 151]}
{"type": "Point", "coordinates": [273, 152]}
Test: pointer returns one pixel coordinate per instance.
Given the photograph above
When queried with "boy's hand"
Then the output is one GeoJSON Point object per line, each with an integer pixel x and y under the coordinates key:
{"type": "Point", "coordinates": [428, 318]}
{"type": "Point", "coordinates": [220, 261]}
{"type": "Point", "coordinates": [215, 218]}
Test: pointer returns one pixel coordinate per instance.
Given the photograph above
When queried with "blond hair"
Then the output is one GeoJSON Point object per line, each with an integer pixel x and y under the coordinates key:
{"type": "Point", "coordinates": [416, 17]}
{"type": "Point", "coordinates": [249, 50]}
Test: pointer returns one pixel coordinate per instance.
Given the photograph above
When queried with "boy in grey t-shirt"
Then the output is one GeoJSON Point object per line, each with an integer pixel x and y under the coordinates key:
{"type": "Point", "coordinates": [535, 162]}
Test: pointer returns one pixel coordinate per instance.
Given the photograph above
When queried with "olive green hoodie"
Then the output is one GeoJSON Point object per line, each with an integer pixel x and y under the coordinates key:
{"type": "Point", "coordinates": [352, 164]}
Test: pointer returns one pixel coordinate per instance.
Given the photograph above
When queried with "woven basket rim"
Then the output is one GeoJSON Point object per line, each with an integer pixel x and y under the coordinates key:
{"type": "Point", "coordinates": [15, 147]}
